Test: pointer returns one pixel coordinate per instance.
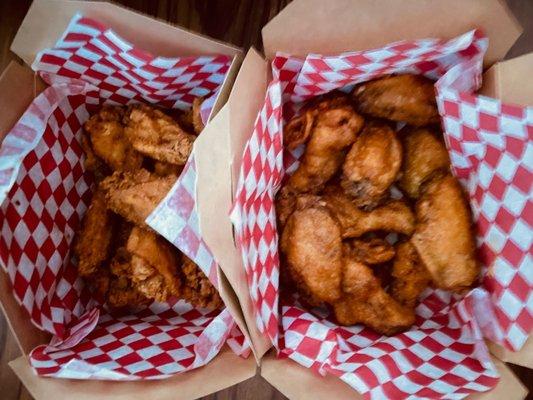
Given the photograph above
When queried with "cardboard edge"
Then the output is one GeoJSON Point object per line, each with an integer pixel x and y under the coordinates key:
{"type": "Point", "coordinates": [297, 382]}
{"type": "Point", "coordinates": [350, 25]}
{"type": "Point", "coordinates": [523, 357]}
{"type": "Point", "coordinates": [37, 32]}
{"type": "Point", "coordinates": [225, 370]}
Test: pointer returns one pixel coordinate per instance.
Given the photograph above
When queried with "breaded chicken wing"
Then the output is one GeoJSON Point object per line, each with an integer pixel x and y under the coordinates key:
{"type": "Point", "coordinates": [335, 126]}
{"type": "Point", "coordinates": [135, 195]}
{"type": "Point", "coordinates": [109, 141]}
{"type": "Point", "coordinates": [424, 154]}
{"type": "Point", "coordinates": [155, 134]}
{"type": "Point", "coordinates": [312, 247]}
{"type": "Point", "coordinates": [196, 288]}
{"type": "Point", "coordinates": [92, 246]}
{"type": "Point", "coordinates": [409, 276]}
{"type": "Point", "coordinates": [372, 164]}
{"type": "Point", "coordinates": [364, 301]}
{"type": "Point", "coordinates": [154, 265]}
{"type": "Point", "coordinates": [372, 251]}
{"type": "Point", "coordinates": [122, 293]}
{"type": "Point", "coordinates": [443, 236]}
{"type": "Point", "coordinates": [92, 162]}
{"type": "Point", "coordinates": [393, 216]}
{"type": "Point", "coordinates": [407, 98]}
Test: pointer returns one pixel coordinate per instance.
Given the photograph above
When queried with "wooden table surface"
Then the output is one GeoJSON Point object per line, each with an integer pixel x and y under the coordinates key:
{"type": "Point", "coordinates": [237, 22]}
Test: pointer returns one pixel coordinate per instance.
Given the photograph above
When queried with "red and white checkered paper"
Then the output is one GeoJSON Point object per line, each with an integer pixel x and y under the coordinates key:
{"type": "Point", "coordinates": [443, 355]}
{"type": "Point", "coordinates": [44, 192]}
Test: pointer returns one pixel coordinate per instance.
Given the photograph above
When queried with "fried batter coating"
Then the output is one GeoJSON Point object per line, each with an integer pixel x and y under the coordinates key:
{"type": "Point", "coordinates": [372, 251]}
{"type": "Point", "coordinates": [109, 142]}
{"type": "Point", "coordinates": [407, 98]}
{"type": "Point", "coordinates": [393, 216]}
{"type": "Point", "coordinates": [92, 162]}
{"type": "Point", "coordinates": [312, 246]}
{"type": "Point", "coordinates": [92, 246]}
{"type": "Point", "coordinates": [155, 134]}
{"type": "Point", "coordinates": [164, 169]}
{"type": "Point", "coordinates": [364, 301]}
{"type": "Point", "coordinates": [335, 126]}
{"type": "Point", "coordinates": [154, 265]}
{"type": "Point", "coordinates": [123, 294]}
{"type": "Point", "coordinates": [409, 276]}
{"type": "Point", "coordinates": [372, 164]}
{"type": "Point", "coordinates": [424, 154]}
{"type": "Point", "coordinates": [197, 289]}
{"type": "Point", "coordinates": [135, 195]}
{"type": "Point", "coordinates": [443, 236]}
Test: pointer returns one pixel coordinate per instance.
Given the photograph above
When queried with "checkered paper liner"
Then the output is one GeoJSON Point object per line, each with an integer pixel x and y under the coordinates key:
{"type": "Point", "coordinates": [443, 355]}
{"type": "Point", "coordinates": [44, 192]}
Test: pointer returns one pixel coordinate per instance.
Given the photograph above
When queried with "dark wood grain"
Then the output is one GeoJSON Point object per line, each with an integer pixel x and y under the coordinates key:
{"type": "Point", "coordinates": [239, 23]}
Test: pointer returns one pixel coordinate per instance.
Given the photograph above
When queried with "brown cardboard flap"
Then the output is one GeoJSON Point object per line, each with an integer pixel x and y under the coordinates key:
{"type": "Point", "coordinates": [510, 80]}
{"type": "Point", "coordinates": [214, 150]}
{"type": "Point", "coordinates": [17, 89]}
{"type": "Point", "coordinates": [46, 20]}
{"type": "Point", "coordinates": [297, 382]}
{"type": "Point", "coordinates": [225, 370]}
{"type": "Point", "coordinates": [329, 27]}
{"type": "Point", "coordinates": [524, 357]}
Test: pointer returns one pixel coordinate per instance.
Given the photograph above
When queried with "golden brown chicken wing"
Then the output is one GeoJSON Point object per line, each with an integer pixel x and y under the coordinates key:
{"type": "Point", "coordinates": [443, 236]}
{"type": "Point", "coordinates": [409, 276]}
{"type": "Point", "coordinates": [155, 134]}
{"type": "Point", "coordinates": [393, 216]}
{"type": "Point", "coordinates": [364, 301]}
{"type": "Point", "coordinates": [372, 164]}
{"type": "Point", "coordinates": [92, 246]}
{"type": "Point", "coordinates": [154, 265]}
{"type": "Point", "coordinates": [407, 98]}
{"type": "Point", "coordinates": [197, 289]}
{"type": "Point", "coordinates": [122, 293]}
{"type": "Point", "coordinates": [312, 247]}
{"type": "Point", "coordinates": [372, 251]}
{"type": "Point", "coordinates": [424, 154]}
{"type": "Point", "coordinates": [109, 141]}
{"type": "Point", "coordinates": [135, 195]}
{"type": "Point", "coordinates": [335, 126]}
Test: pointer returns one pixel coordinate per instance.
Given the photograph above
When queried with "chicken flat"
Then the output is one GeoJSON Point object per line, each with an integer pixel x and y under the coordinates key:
{"type": "Point", "coordinates": [401, 98]}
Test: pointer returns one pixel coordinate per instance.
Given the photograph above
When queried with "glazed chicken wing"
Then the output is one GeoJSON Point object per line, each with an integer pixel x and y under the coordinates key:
{"type": "Point", "coordinates": [312, 247]}
{"type": "Point", "coordinates": [109, 142]}
{"type": "Point", "coordinates": [443, 236]}
{"type": "Point", "coordinates": [393, 216]}
{"type": "Point", "coordinates": [407, 98]}
{"type": "Point", "coordinates": [135, 195]}
{"type": "Point", "coordinates": [93, 242]}
{"type": "Point", "coordinates": [372, 164]}
{"type": "Point", "coordinates": [157, 135]}
{"type": "Point", "coordinates": [330, 128]}
{"type": "Point", "coordinates": [364, 301]}
{"type": "Point", "coordinates": [409, 276]}
{"type": "Point", "coordinates": [424, 154]}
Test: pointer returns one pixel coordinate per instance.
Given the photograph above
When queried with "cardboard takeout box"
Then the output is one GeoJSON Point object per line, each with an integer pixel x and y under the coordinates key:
{"type": "Point", "coordinates": [314, 26]}
{"type": "Point", "coordinates": [45, 22]}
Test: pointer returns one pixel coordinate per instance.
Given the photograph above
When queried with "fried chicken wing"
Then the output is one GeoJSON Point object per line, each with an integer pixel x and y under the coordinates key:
{"type": "Point", "coordinates": [443, 236]}
{"type": "Point", "coordinates": [92, 162]}
{"type": "Point", "coordinates": [154, 265]}
{"type": "Point", "coordinates": [109, 142]}
{"type": "Point", "coordinates": [312, 247]}
{"type": "Point", "coordinates": [164, 169]}
{"type": "Point", "coordinates": [335, 126]}
{"type": "Point", "coordinates": [393, 216]}
{"type": "Point", "coordinates": [372, 164]}
{"type": "Point", "coordinates": [197, 289]}
{"type": "Point", "coordinates": [155, 134]}
{"type": "Point", "coordinates": [409, 276]}
{"type": "Point", "coordinates": [122, 294]}
{"type": "Point", "coordinates": [407, 98]}
{"type": "Point", "coordinates": [424, 154]}
{"type": "Point", "coordinates": [364, 301]}
{"type": "Point", "coordinates": [372, 251]}
{"type": "Point", "coordinates": [135, 195]}
{"type": "Point", "coordinates": [92, 246]}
